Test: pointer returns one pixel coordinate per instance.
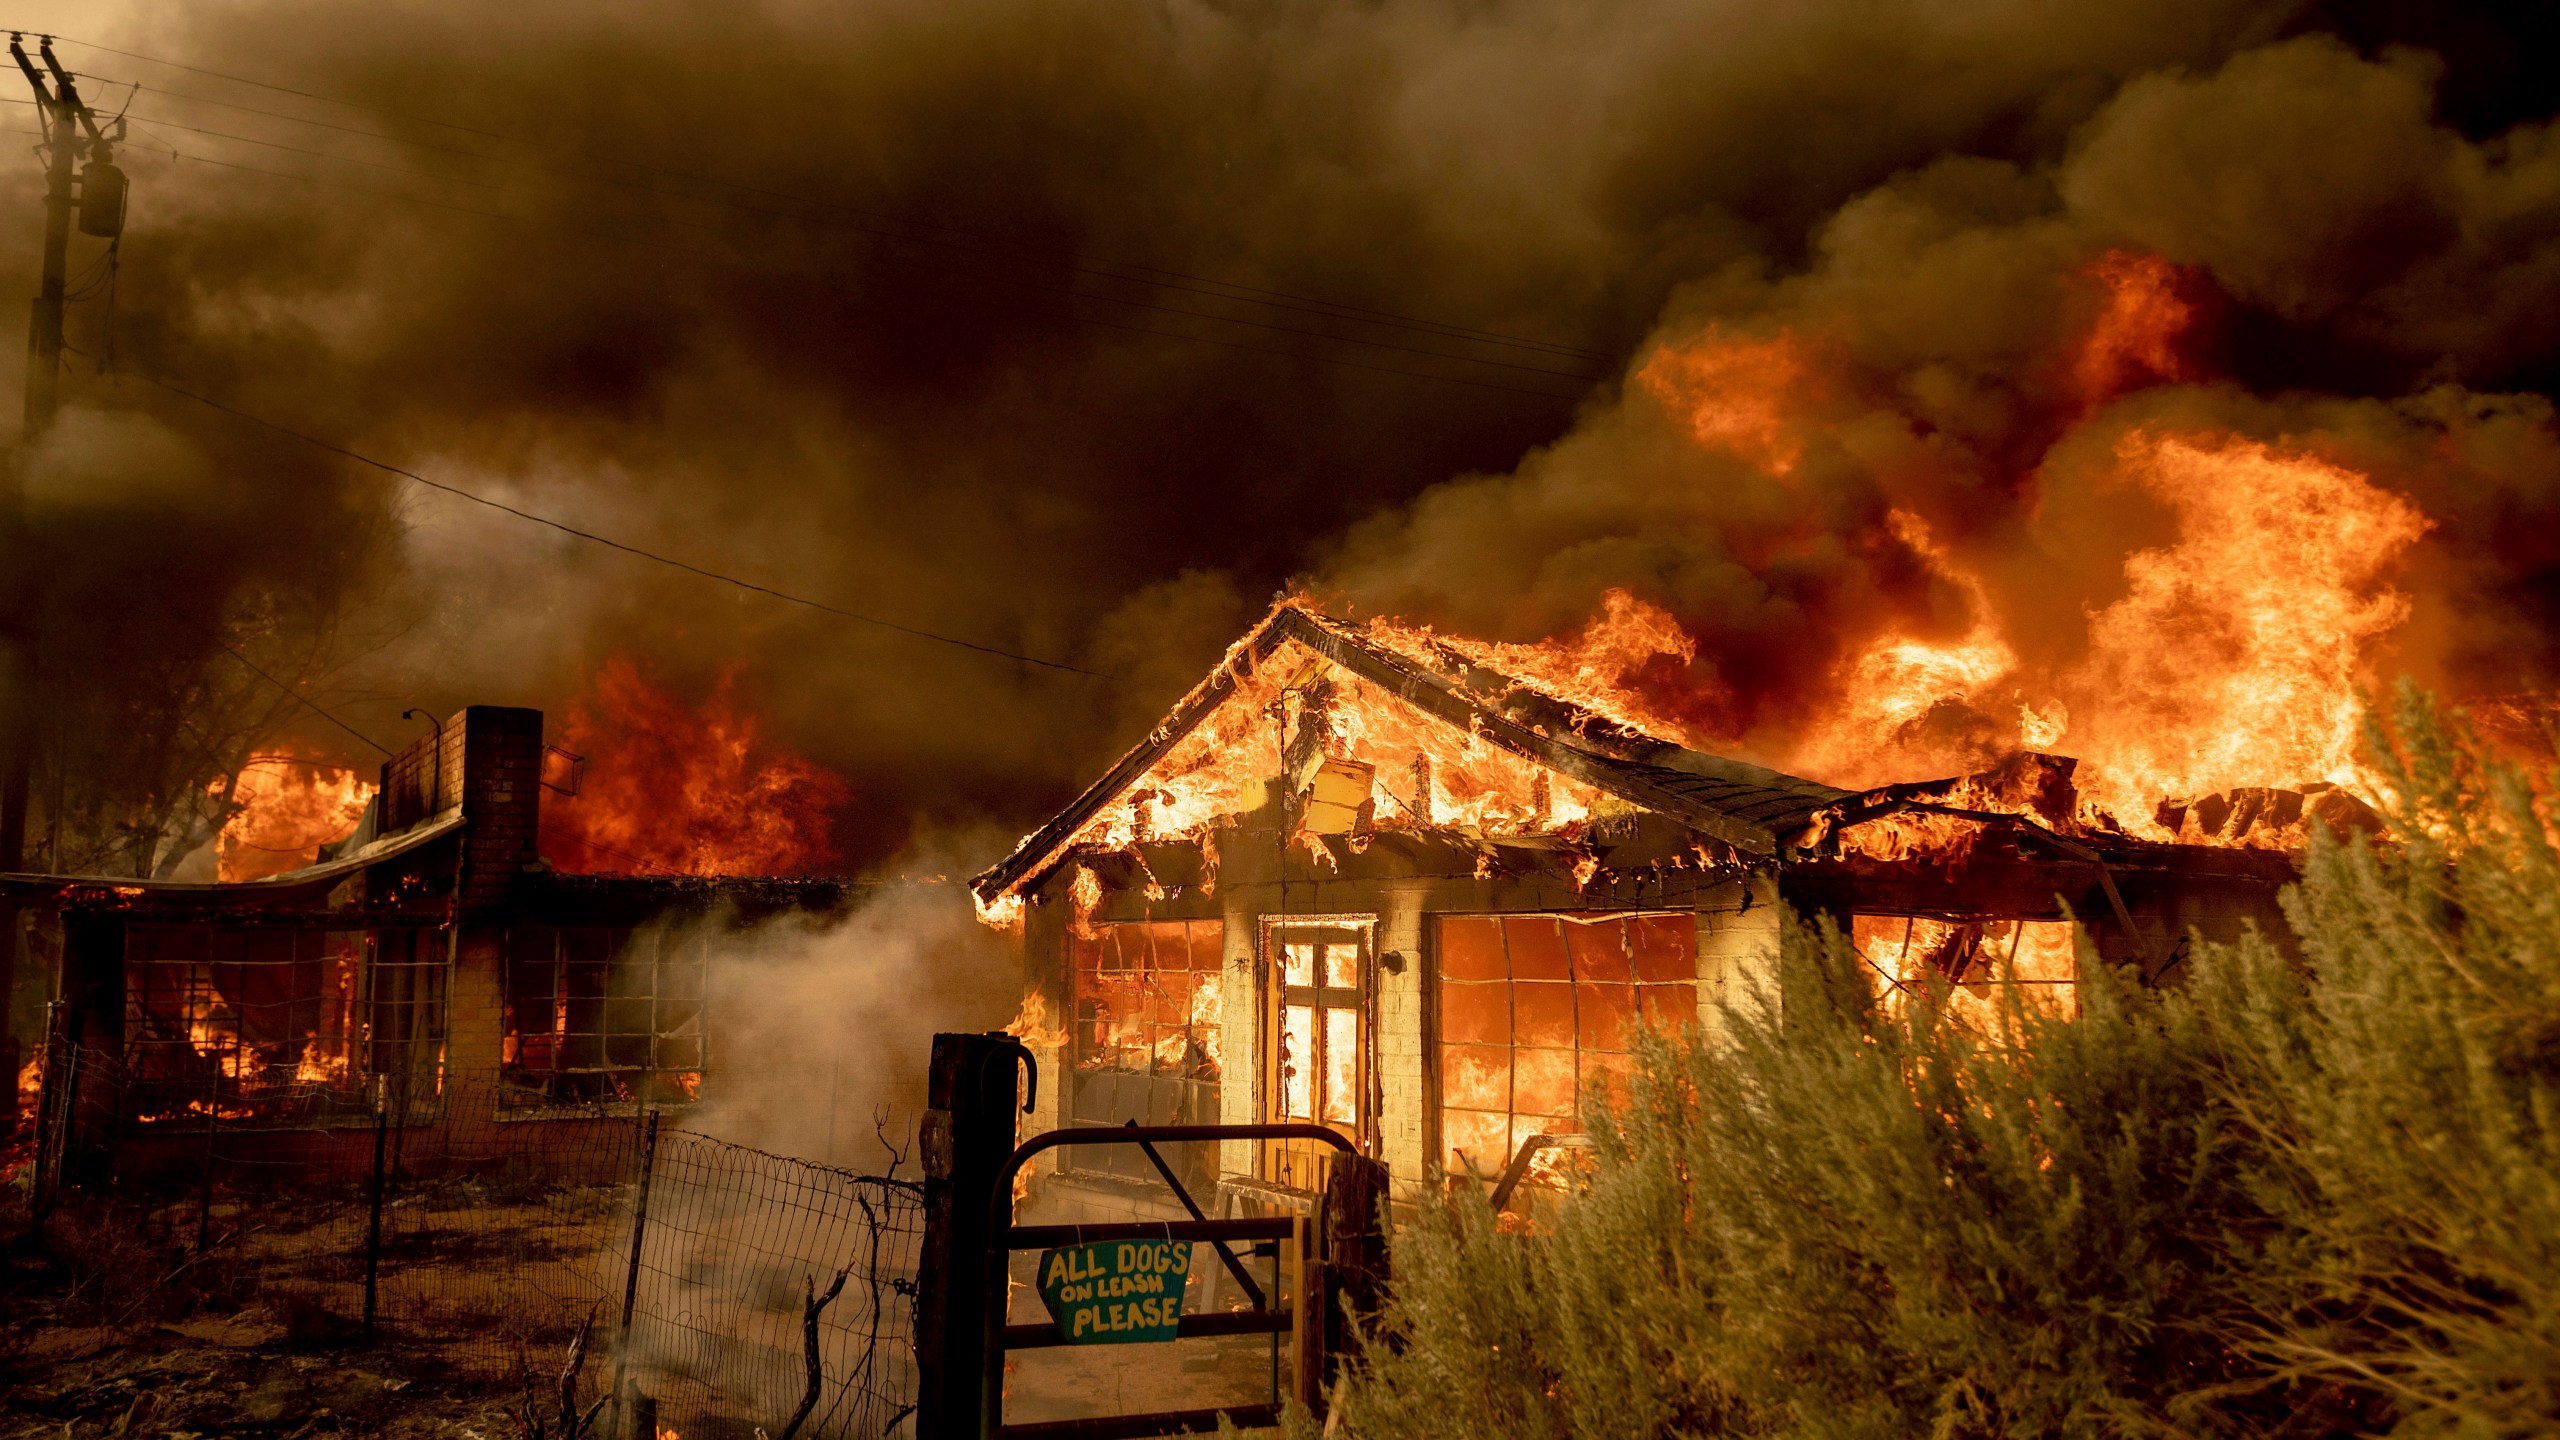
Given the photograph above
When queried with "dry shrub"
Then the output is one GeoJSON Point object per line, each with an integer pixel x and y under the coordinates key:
{"type": "Point", "coordinates": [2313, 1194]}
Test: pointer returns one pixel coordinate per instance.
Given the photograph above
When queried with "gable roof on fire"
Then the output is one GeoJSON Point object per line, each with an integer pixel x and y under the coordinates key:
{"type": "Point", "coordinates": [1752, 809]}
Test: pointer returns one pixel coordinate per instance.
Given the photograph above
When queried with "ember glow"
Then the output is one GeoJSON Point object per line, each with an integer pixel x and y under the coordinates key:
{"type": "Point", "coordinates": [695, 789]}
{"type": "Point", "coordinates": [286, 805]}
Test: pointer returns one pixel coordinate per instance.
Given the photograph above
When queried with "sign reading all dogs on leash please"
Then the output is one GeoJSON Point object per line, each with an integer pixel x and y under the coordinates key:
{"type": "Point", "coordinates": [1126, 1292]}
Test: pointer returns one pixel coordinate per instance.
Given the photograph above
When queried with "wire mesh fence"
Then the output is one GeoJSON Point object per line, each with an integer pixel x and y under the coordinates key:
{"type": "Point", "coordinates": [737, 1288]}
{"type": "Point", "coordinates": [757, 1267]}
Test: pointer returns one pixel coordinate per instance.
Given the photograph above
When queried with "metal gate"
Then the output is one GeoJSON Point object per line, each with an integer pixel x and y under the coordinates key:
{"type": "Point", "coordinates": [963, 1336]}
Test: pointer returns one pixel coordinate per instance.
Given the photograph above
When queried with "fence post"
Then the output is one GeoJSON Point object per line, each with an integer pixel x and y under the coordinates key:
{"type": "Point", "coordinates": [642, 1411]}
{"type": "Point", "coordinates": [373, 1225]}
{"type": "Point", "coordinates": [204, 1196]}
{"type": "Point", "coordinates": [966, 1136]}
{"type": "Point", "coordinates": [53, 1126]}
{"type": "Point", "coordinates": [1353, 1244]}
{"type": "Point", "coordinates": [1309, 1358]}
{"type": "Point", "coordinates": [631, 1273]}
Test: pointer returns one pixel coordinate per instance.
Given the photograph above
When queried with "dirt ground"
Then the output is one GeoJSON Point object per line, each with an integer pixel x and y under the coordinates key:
{"type": "Point", "coordinates": [242, 1374]}
{"type": "Point", "coordinates": [117, 1327]}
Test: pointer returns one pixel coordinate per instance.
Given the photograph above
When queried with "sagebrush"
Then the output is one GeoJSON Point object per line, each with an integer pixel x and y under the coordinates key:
{"type": "Point", "coordinates": [2312, 1191]}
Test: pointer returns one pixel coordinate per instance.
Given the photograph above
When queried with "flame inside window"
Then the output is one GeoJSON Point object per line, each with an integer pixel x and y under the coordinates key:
{"type": "Point", "coordinates": [1539, 1012]}
{"type": "Point", "coordinates": [1964, 969]}
{"type": "Point", "coordinates": [278, 1024]}
{"type": "Point", "coordinates": [602, 1015]}
{"type": "Point", "coordinates": [1147, 1036]}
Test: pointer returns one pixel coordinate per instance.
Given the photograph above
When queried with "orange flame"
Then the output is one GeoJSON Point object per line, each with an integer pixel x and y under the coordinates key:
{"type": "Point", "coordinates": [2232, 659]}
{"type": "Point", "coordinates": [1884, 724]}
{"type": "Point", "coordinates": [286, 805]}
{"type": "Point", "coordinates": [1596, 670]}
{"type": "Point", "coordinates": [2227, 663]}
{"type": "Point", "coordinates": [2235, 654]}
{"type": "Point", "coordinates": [1032, 1026]}
{"type": "Point", "coordinates": [688, 790]}
{"type": "Point", "coordinates": [1737, 394]}
{"type": "Point", "coordinates": [2136, 338]}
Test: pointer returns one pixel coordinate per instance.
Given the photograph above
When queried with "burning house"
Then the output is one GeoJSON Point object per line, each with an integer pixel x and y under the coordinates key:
{"type": "Point", "coordinates": [1363, 877]}
{"type": "Point", "coordinates": [429, 966]}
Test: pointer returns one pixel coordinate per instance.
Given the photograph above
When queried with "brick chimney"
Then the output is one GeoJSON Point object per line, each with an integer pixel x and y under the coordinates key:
{"type": "Point", "coordinates": [488, 761]}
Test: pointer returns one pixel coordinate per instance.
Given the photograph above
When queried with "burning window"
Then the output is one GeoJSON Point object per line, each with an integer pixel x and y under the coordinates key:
{"type": "Point", "coordinates": [282, 1024]}
{"type": "Point", "coordinates": [597, 1014]}
{"type": "Point", "coordinates": [1146, 1001]}
{"type": "Point", "coordinates": [1962, 967]}
{"type": "Point", "coordinates": [1539, 1012]}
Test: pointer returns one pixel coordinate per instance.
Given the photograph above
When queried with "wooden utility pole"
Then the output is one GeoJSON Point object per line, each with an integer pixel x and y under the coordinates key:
{"type": "Point", "coordinates": [71, 135]}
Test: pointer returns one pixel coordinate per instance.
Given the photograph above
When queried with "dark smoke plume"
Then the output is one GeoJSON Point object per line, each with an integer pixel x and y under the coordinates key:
{"type": "Point", "coordinates": [808, 294]}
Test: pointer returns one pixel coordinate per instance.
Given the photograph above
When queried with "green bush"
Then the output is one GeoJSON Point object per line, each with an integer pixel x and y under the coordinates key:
{"type": "Point", "coordinates": [2307, 1195]}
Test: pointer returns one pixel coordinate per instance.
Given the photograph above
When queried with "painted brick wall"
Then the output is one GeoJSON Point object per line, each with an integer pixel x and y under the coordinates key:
{"type": "Point", "coordinates": [1737, 945]}
{"type": "Point", "coordinates": [1401, 1043]}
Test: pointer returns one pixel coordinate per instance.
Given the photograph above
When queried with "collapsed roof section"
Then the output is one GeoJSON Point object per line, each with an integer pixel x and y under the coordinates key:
{"type": "Point", "coordinates": [1415, 734]}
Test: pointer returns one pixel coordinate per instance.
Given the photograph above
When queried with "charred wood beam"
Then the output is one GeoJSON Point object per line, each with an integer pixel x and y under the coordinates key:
{"type": "Point", "coordinates": [1044, 846]}
{"type": "Point", "coordinates": [1441, 699]}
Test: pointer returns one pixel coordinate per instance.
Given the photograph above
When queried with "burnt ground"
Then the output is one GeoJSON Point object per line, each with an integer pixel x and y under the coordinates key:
{"type": "Point", "coordinates": [242, 1374]}
{"type": "Point", "coordinates": [117, 1327]}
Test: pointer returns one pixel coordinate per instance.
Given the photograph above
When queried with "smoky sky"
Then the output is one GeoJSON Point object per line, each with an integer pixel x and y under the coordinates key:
{"type": "Point", "coordinates": [848, 301]}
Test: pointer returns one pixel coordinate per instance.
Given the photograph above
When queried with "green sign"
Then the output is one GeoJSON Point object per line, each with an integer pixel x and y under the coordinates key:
{"type": "Point", "coordinates": [1116, 1293]}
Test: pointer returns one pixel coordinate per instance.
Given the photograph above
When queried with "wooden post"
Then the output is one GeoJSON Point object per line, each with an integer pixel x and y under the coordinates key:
{"type": "Point", "coordinates": [966, 1136]}
{"type": "Point", "coordinates": [373, 1225]}
{"type": "Point", "coordinates": [1354, 1242]}
{"type": "Point", "coordinates": [647, 1161]}
{"type": "Point", "coordinates": [1307, 1307]}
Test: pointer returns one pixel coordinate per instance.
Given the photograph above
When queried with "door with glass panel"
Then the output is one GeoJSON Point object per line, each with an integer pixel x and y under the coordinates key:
{"type": "Point", "coordinates": [1316, 1046]}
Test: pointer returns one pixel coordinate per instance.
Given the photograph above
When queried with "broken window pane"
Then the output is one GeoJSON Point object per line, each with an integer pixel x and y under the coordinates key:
{"type": "Point", "coordinates": [1966, 971]}
{"type": "Point", "coordinates": [601, 1014]}
{"type": "Point", "coordinates": [1145, 1045]}
{"type": "Point", "coordinates": [1538, 1017]}
{"type": "Point", "coordinates": [1341, 1067]}
{"type": "Point", "coordinates": [271, 1025]}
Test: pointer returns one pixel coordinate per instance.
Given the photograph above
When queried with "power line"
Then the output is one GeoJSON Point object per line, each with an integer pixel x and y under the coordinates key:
{"type": "Point", "coordinates": [606, 541]}
{"type": "Point", "coordinates": [167, 93]}
{"type": "Point", "coordinates": [292, 693]}
{"type": "Point", "coordinates": [1320, 309]}
{"type": "Point", "coordinates": [1070, 292]}
{"type": "Point", "coordinates": [195, 159]}
{"type": "Point", "coordinates": [155, 120]}
{"type": "Point", "coordinates": [1275, 298]}
{"type": "Point", "coordinates": [279, 89]}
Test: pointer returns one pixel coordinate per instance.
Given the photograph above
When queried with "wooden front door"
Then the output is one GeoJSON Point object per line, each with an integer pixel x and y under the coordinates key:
{"type": "Point", "coordinates": [1316, 1050]}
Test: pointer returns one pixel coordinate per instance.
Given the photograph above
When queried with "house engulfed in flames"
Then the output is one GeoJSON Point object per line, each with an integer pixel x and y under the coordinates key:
{"type": "Point", "coordinates": [429, 967]}
{"type": "Point", "coordinates": [1360, 878]}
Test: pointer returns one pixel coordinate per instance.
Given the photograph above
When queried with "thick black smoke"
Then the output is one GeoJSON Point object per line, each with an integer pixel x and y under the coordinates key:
{"type": "Point", "coordinates": [793, 291]}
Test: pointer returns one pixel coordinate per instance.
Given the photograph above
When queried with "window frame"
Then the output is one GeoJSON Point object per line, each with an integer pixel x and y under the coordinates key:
{"type": "Point", "coordinates": [381, 1036]}
{"type": "Point", "coordinates": [1127, 1162]}
{"type": "Point", "coordinates": [1438, 1044]}
{"type": "Point", "coordinates": [1278, 1162]}
{"type": "Point", "coordinates": [1895, 987]}
{"type": "Point", "coordinates": [656, 1077]}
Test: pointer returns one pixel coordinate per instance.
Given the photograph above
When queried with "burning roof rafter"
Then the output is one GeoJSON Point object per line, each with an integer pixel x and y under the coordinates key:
{"type": "Point", "coordinates": [1752, 809]}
